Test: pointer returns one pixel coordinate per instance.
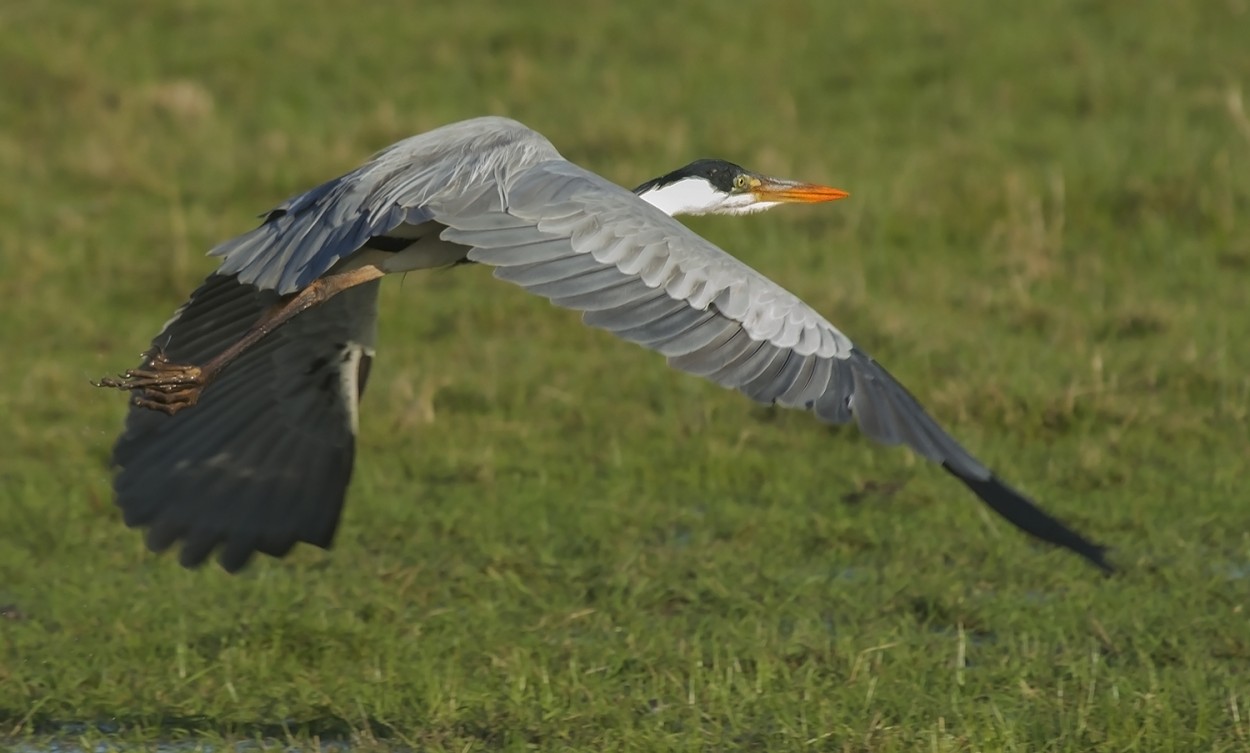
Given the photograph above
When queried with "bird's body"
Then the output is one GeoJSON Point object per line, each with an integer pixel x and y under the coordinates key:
{"type": "Point", "coordinates": [263, 458]}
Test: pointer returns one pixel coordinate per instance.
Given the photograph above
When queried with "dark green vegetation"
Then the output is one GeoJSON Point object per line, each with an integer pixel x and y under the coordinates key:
{"type": "Point", "coordinates": [555, 542]}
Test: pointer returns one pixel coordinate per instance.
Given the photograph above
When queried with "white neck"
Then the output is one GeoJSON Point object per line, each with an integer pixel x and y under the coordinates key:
{"type": "Point", "coordinates": [696, 196]}
{"type": "Point", "coordinates": [686, 196]}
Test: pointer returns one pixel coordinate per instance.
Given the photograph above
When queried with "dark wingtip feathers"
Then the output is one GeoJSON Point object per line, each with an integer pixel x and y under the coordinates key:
{"type": "Point", "coordinates": [264, 460]}
{"type": "Point", "coordinates": [1028, 517]}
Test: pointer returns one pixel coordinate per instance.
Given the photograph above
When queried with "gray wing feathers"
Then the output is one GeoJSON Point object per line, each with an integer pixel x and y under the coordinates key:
{"type": "Point", "coordinates": [296, 245]}
{"type": "Point", "coordinates": [609, 223]}
{"type": "Point", "coordinates": [588, 245]}
{"type": "Point", "coordinates": [444, 170]}
{"type": "Point", "coordinates": [879, 398]}
{"type": "Point", "coordinates": [263, 460]}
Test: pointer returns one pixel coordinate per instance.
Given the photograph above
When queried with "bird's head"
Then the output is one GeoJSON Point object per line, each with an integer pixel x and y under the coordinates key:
{"type": "Point", "coordinates": [714, 186]}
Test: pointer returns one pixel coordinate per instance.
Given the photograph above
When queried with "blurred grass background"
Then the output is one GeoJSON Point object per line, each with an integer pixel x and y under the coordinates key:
{"type": "Point", "coordinates": [553, 542]}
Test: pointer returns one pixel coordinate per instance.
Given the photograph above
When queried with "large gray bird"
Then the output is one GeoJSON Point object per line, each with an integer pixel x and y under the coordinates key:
{"type": "Point", "coordinates": [242, 431]}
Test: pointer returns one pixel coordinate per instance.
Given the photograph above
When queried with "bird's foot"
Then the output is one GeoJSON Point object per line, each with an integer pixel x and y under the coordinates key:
{"type": "Point", "coordinates": [161, 385]}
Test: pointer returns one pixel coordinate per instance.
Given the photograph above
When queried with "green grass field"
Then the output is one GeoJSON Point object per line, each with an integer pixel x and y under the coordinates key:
{"type": "Point", "coordinates": [553, 542]}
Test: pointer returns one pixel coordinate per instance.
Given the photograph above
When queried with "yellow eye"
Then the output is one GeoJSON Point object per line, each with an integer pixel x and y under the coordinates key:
{"type": "Point", "coordinates": [741, 182]}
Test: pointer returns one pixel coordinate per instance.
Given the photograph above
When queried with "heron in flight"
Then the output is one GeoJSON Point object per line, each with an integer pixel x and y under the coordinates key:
{"type": "Point", "coordinates": [242, 430]}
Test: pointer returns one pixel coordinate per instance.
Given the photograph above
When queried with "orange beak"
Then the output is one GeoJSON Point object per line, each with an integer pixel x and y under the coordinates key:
{"type": "Point", "coordinates": [794, 192]}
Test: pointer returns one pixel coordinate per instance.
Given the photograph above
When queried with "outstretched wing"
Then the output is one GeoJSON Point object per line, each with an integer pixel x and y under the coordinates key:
{"type": "Point", "coordinates": [586, 244]}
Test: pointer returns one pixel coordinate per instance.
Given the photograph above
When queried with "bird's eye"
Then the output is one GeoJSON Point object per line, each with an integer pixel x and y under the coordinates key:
{"type": "Point", "coordinates": [740, 182]}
